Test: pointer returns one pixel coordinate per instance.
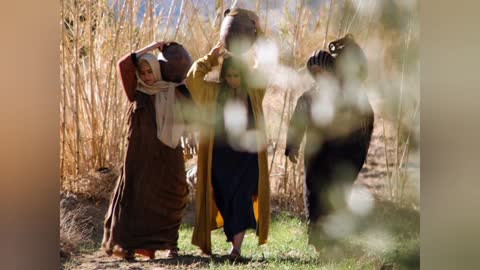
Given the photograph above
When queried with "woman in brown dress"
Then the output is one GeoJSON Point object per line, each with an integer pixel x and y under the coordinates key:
{"type": "Point", "coordinates": [151, 193]}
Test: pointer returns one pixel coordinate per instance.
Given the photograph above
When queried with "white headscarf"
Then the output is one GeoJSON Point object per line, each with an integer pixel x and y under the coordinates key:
{"type": "Point", "coordinates": [169, 118]}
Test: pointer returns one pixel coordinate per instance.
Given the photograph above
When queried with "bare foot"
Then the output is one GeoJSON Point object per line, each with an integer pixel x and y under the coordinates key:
{"type": "Point", "coordinates": [234, 255]}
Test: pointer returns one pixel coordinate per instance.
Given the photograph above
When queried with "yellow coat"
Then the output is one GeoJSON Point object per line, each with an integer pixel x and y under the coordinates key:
{"type": "Point", "coordinates": [207, 216]}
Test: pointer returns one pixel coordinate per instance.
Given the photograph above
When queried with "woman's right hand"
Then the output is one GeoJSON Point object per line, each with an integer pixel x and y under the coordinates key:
{"type": "Point", "coordinates": [150, 47]}
{"type": "Point", "coordinates": [156, 45]}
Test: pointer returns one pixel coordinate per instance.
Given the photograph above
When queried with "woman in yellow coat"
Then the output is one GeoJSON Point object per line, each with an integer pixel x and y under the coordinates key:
{"type": "Point", "coordinates": [233, 189]}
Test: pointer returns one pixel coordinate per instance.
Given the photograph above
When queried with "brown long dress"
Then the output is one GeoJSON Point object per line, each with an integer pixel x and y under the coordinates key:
{"type": "Point", "coordinates": [151, 193]}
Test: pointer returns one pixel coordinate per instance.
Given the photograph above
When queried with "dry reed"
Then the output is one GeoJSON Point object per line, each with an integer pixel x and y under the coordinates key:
{"type": "Point", "coordinates": [96, 33]}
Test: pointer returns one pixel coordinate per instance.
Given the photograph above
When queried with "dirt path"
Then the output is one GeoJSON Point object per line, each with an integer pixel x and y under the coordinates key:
{"type": "Point", "coordinates": [98, 260]}
{"type": "Point", "coordinates": [372, 176]}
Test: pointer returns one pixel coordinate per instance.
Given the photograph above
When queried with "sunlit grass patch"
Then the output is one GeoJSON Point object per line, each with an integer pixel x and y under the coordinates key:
{"type": "Point", "coordinates": [388, 236]}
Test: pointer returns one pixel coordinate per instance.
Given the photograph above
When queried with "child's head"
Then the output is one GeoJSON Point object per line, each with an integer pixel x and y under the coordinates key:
{"type": "Point", "coordinates": [148, 69]}
{"type": "Point", "coordinates": [234, 73]}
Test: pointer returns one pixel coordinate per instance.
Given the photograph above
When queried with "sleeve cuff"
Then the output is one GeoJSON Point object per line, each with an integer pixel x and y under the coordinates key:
{"type": "Point", "coordinates": [133, 55]}
{"type": "Point", "coordinates": [213, 61]}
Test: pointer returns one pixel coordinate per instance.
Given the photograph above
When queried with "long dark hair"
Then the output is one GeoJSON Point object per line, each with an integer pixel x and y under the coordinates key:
{"type": "Point", "coordinates": [236, 64]}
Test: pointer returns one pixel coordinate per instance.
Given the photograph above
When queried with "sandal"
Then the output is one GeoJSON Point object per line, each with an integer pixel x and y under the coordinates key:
{"type": "Point", "coordinates": [150, 253]}
{"type": "Point", "coordinates": [172, 253]}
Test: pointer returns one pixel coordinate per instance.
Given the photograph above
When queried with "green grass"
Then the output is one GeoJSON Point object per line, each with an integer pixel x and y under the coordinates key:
{"type": "Point", "coordinates": [387, 239]}
{"type": "Point", "coordinates": [388, 236]}
{"type": "Point", "coordinates": [69, 264]}
{"type": "Point", "coordinates": [89, 248]}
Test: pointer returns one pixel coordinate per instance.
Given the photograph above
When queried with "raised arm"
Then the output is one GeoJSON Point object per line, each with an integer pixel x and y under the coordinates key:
{"type": "Point", "coordinates": [127, 67]}
{"type": "Point", "coordinates": [196, 75]}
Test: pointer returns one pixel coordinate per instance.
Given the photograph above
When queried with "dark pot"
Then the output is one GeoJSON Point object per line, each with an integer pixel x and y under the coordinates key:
{"type": "Point", "coordinates": [179, 62]}
{"type": "Point", "coordinates": [238, 31]}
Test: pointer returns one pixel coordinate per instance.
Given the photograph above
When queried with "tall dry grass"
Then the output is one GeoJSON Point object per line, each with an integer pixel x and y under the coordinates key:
{"type": "Point", "coordinates": [75, 229]}
{"type": "Point", "coordinates": [96, 33]}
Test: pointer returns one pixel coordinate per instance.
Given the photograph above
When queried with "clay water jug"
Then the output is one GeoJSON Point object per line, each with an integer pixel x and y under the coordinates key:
{"type": "Point", "coordinates": [177, 64]}
{"type": "Point", "coordinates": [239, 30]}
